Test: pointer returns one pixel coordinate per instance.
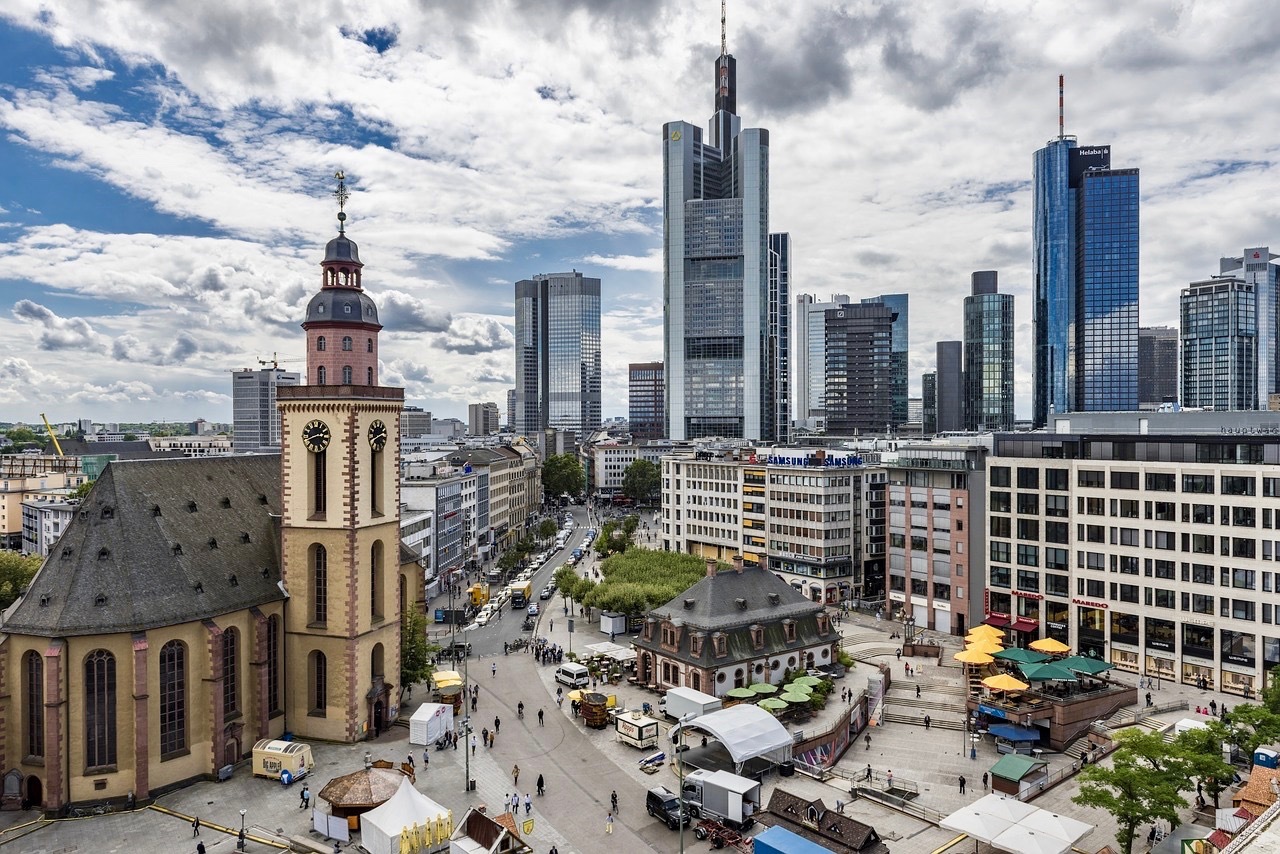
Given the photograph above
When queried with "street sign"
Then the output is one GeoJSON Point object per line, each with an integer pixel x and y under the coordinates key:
{"type": "Point", "coordinates": [527, 827]}
{"type": "Point", "coordinates": [571, 625]}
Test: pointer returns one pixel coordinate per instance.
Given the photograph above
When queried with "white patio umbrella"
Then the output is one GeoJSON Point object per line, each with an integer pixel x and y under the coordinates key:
{"type": "Point", "coordinates": [1069, 829]}
{"type": "Point", "coordinates": [979, 825]}
{"type": "Point", "coordinates": [1009, 809]}
{"type": "Point", "coordinates": [1020, 839]}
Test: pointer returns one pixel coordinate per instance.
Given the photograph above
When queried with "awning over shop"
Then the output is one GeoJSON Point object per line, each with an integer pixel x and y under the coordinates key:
{"type": "Point", "coordinates": [996, 620]}
{"type": "Point", "coordinates": [1013, 732]}
{"type": "Point", "coordinates": [1024, 625]}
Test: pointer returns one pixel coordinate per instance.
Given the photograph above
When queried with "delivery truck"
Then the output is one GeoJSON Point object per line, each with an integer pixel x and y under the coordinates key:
{"type": "Point", "coordinates": [725, 797]}
{"type": "Point", "coordinates": [521, 594]}
{"type": "Point", "coordinates": [637, 730]}
{"type": "Point", "coordinates": [683, 701]}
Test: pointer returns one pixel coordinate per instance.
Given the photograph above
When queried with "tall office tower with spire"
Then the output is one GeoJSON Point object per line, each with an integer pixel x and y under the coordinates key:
{"type": "Point", "coordinates": [808, 358]}
{"type": "Point", "coordinates": [557, 353]}
{"type": "Point", "coordinates": [1085, 288]}
{"type": "Point", "coordinates": [988, 355]}
{"type": "Point", "coordinates": [722, 356]}
{"type": "Point", "coordinates": [900, 351]}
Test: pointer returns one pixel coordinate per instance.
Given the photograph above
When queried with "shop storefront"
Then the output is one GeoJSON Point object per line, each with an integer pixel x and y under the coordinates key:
{"type": "Point", "coordinates": [1125, 659]}
{"type": "Point", "coordinates": [1197, 643]}
{"type": "Point", "coordinates": [1057, 621]}
{"type": "Point", "coordinates": [1091, 625]}
{"type": "Point", "coordinates": [1193, 673]}
{"type": "Point", "coordinates": [1160, 668]}
{"type": "Point", "coordinates": [1236, 681]}
{"type": "Point", "coordinates": [1239, 662]}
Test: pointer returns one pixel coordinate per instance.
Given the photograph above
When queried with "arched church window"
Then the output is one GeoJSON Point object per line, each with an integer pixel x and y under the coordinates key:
{"type": "Point", "coordinates": [346, 375]}
{"type": "Point", "coordinates": [173, 698]}
{"type": "Point", "coordinates": [320, 375]}
{"type": "Point", "coordinates": [320, 343]}
{"type": "Point", "coordinates": [346, 343]}
{"type": "Point", "coordinates": [99, 709]}
{"type": "Point", "coordinates": [230, 674]}
{"type": "Point", "coordinates": [33, 703]}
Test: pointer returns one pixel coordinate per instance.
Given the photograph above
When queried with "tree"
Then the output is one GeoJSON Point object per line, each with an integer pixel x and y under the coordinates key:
{"type": "Point", "coordinates": [415, 652]}
{"type": "Point", "coordinates": [130, 437]}
{"type": "Point", "coordinates": [1271, 690]}
{"type": "Point", "coordinates": [640, 481]}
{"type": "Point", "coordinates": [81, 491]}
{"type": "Point", "coordinates": [1132, 789]}
{"type": "Point", "coordinates": [547, 529]}
{"type": "Point", "coordinates": [563, 473]}
{"type": "Point", "coordinates": [1202, 751]}
{"type": "Point", "coordinates": [21, 435]}
{"type": "Point", "coordinates": [1250, 727]}
{"type": "Point", "coordinates": [16, 572]}
{"type": "Point", "coordinates": [566, 579]}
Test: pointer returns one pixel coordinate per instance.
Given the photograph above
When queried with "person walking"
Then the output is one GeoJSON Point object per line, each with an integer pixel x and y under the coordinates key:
{"type": "Point", "coordinates": [540, 717]}
{"type": "Point", "coordinates": [899, 653]}
{"type": "Point", "coordinates": [412, 767]}
{"type": "Point", "coordinates": [927, 721]}
{"type": "Point", "coordinates": [200, 848]}
{"type": "Point", "coordinates": [515, 803]}
{"type": "Point", "coordinates": [962, 781]}
{"type": "Point", "coordinates": [888, 780]}
{"type": "Point", "coordinates": [306, 797]}
{"type": "Point", "coordinates": [917, 692]}
{"type": "Point", "coordinates": [195, 827]}
{"type": "Point", "coordinates": [1148, 699]}
{"type": "Point", "coordinates": [473, 744]}
{"type": "Point", "coordinates": [868, 740]}
{"type": "Point", "coordinates": [528, 804]}
{"type": "Point", "coordinates": [613, 800]}
{"type": "Point", "coordinates": [515, 774]}
{"type": "Point", "coordinates": [497, 723]}
{"type": "Point", "coordinates": [984, 781]}
{"type": "Point", "coordinates": [867, 776]}
{"type": "Point", "coordinates": [541, 788]}
{"type": "Point", "coordinates": [484, 736]}
{"type": "Point", "coordinates": [608, 824]}
{"type": "Point", "coordinates": [493, 669]}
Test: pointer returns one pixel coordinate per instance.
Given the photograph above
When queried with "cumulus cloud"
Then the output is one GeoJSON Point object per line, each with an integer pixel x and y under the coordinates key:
{"type": "Point", "coordinates": [400, 312]}
{"type": "Point", "coordinates": [59, 333]}
{"type": "Point", "coordinates": [470, 334]}
{"type": "Point", "coordinates": [651, 263]}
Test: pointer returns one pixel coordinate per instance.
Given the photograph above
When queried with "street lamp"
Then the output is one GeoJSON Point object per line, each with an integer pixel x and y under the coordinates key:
{"type": "Point", "coordinates": [678, 730]}
{"type": "Point", "coordinates": [466, 714]}
{"type": "Point", "coordinates": [241, 840]}
{"type": "Point", "coordinates": [908, 628]}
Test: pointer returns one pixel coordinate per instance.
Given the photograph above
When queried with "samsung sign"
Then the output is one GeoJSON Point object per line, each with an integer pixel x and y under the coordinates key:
{"type": "Point", "coordinates": [814, 460]}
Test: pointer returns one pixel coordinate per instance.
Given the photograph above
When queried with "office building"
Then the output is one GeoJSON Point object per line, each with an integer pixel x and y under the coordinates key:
{"type": "Point", "coordinates": [988, 355]}
{"type": "Point", "coordinates": [557, 353]}
{"type": "Point", "coordinates": [1157, 366]}
{"type": "Point", "coordinates": [1220, 359]}
{"type": "Point", "coordinates": [915, 410]}
{"type": "Point", "coordinates": [511, 409]}
{"type": "Point", "coordinates": [809, 359]}
{"type": "Point", "coordinates": [929, 403]}
{"type": "Point", "coordinates": [721, 356]}
{"type": "Point", "coordinates": [899, 352]}
{"type": "Point", "coordinates": [415, 421]}
{"type": "Point", "coordinates": [1143, 540]}
{"type": "Point", "coordinates": [482, 419]}
{"type": "Point", "coordinates": [1085, 285]}
{"type": "Point", "coordinates": [860, 378]}
{"type": "Point", "coordinates": [646, 401]}
{"type": "Point", "coordinates": [606, 464]}
{"type": "Point", "coordinates": [778, 353]}
{"type": "Point", "coordinates": [949, 386]}
{"type": "Point", "coordinates": [255, 421]}
{"type": "Point", "coordinates": [1255, 267]}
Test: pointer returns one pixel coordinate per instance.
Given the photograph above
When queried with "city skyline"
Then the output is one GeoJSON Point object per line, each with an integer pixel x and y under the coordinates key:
{"type": "Point", "coordinates": [169, 188]}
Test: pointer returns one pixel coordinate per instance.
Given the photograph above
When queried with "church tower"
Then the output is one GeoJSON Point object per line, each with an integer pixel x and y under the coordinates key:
{"type": "Point", "coordinates": [340, 531]}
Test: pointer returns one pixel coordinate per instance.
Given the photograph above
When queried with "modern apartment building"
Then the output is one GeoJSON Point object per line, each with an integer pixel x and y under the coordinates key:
{"type": "Point", "coordinates": [43, 522]}
{"type": "Point", "coordinates": [721, 356]}
{"type": "Point", "coordinates": [1157, 366]}
{"type": "Point", "coordinates": [646, 401]}
{"type": "Point", "coordinates": [860, 369]}
{"type": "Point", "coordinates": [557, 319]}
{"type": "Point", "coordinates": [935, 499]}
{"type": "Point", "coordinates": [1220, 358]}
{"type": "Point", "coordinates": [809, 358]}
{"type": "Point", "coordinates": [988, 355]}
{"type": "Point", "coordinates": [1147, 542]}
{"type": "Point", "coordinates": [797, 512]}
{"type": "Point", "coordinates": [1085, 281]}
{"type": "Point", "coordinates": [255, 419]}
{"type": "Point", "coordinates": [899, 352]}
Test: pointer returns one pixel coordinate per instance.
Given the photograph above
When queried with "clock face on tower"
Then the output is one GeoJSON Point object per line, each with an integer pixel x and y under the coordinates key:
{"type": "Point", "coordinates": [315, 435]}
{"type": "Point", "coordinates": [377, 435]}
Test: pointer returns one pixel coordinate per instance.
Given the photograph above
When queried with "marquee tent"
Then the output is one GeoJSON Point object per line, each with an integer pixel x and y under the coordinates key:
{"type": "Point", "coordinates": [380, 828]}
{"type": "Point", "coordinates": [429, 722]}
{"type": "Point", "coordinates": [747, 732]}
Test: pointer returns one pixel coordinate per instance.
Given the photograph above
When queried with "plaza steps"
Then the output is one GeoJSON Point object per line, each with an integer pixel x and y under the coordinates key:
{"type": "Point", "coordinates": [913, 720]}
{"type": "Point", "coordinates": [941, 705]}
{"type": "Point", "coordinates": [869, 653]}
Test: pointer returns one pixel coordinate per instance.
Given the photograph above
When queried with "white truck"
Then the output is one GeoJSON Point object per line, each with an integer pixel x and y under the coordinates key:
{"type": "Point", "coordinates": [683, 701]}
{"type": "Point", "coordinates": [726, 797]}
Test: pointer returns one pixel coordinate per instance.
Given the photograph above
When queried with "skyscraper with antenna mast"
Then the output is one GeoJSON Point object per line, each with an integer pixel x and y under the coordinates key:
{"type": "Point", "coordinates": [1085, 279]}
{"type": "Point", "coordinates": [723, 341]}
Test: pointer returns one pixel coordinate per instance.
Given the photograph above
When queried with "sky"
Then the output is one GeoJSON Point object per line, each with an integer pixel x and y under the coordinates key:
{"type": "Point", "coordinates": [165, 194]}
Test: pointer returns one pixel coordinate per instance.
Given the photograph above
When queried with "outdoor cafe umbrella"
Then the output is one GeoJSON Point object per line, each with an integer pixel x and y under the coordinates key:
{"type": "Point", "coordinates": [806, 680]}
{"type": "Point", "coordinates": [772, 704]}
{"type": "Point", "coordinates": [1021, 656]}
{"type": "Point", "coordinates": [793, 698]}
{"type": "Point", "coordinates": [1083, 664]}
{"type": "Point", "coordinates": [990, 647]}
{"type": "Point", "coordinates": [798, 688]}
{"type": "Point", "coordinates": [973, 656]}
{"type": "Point", "coordinates": [1069, 829]}
{"type": "Point", "coordinates": [576, 695]}
{"type": "Point", "coordinates": [1048, 672]}
{"type": "Point", "coordinates": [741, 693]}
{"type": "Point", "coordinates": [1050, 645]}
{"type": "Point", "coordinates": [1021, 839]}
{"type": "Point", "coordinates": [979, 825]}
{"type": "Point", "coordinates": [763, 688]}
{"type": "Point", "coordinates": [1004, 682]}
{"type": "Point", "coordinates": [986, 631]}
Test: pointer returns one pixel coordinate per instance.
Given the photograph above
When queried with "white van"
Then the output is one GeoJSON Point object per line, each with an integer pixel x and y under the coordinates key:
{"type": "Point", "coordinates": [573, 675]}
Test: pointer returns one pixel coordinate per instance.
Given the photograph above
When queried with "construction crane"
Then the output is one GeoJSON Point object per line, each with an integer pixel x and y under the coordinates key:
{"type": "Point", "coordinates": [275, 361]}
{"type": "Point", "coordinates": [49, 427]}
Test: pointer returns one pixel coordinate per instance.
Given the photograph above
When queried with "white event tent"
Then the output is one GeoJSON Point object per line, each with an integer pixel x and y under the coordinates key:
{"type": "Point", "coordinates": [429, 722]}
{"type": "Point", "coordinates": [380, 828]}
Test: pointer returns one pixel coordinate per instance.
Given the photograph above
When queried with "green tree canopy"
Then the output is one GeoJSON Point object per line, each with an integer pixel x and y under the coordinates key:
{"type": "Point", "coordinates": [563, 473]}
{"type": "Point", "coordinates": [640, 481]}
{"type": "Point", "coordinates": [547, 529]}
{"type": "Point", "coordinates": [1201, 750]}
{"type": "Point", "coordinates": [415, 652]}
{"type": "Point", "coordinates": [1142, 784]}
{"type": "Point", "coordinates": [566, 579]}
{"type": "Point", "coordinates": [16, 572]}
{"type": "Point", "coordinates": [21, 435]}
{"type": "Point", "coordinates": [638, 580]}
{"type": "Point", "coordinates": [82, 490]}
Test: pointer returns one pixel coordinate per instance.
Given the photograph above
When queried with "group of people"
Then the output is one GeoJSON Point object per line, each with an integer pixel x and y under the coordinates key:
{"type": "Point", "coordinates": [1213, 709]}
{"type": "Point", "coordinates": [545, 652]}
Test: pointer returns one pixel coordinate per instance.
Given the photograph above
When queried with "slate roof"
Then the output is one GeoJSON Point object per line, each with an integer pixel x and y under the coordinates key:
{"type": "Point", "coordinates": [158, 543]}
{"type": "Point", "coordinates": [139, 450]}
{"type": "Point", "coordinates": [716, 607]}
{"type": "Point", "coordinates": [832, 830]}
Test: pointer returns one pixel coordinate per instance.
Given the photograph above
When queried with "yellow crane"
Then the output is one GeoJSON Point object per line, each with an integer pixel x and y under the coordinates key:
{"type": "Point", "coordinates": [52, 436]}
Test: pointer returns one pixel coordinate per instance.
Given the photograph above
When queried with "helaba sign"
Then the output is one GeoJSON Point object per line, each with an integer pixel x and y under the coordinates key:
{"type": "Point", "coordinates": [1098, 151]}
{"type": "Point", "coordinates": [827, 460]}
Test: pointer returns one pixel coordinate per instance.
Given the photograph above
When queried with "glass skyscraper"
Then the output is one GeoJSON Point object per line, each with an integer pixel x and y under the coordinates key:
{"type": "Point", "coordinates": [809, 355]}
{"type": "Point", "coordinates": [1256, 268]}
{"type": "Point", "coordinates": [859, 368]}
{"type": "Point", "coordinates": [557, 353]}
{"type": "Point", "coordinates": [988, 355]}
{"type": "Point", "coordinates": [723, 359]}
{"type": "Point", "coordinates": [1085, 267]}
{"type": "Point", "coordinates": [899, 352]}
{"type": "Point", "coordinates": [778, 354]}
{"type": "Point", "coordinates": [1220, 363]}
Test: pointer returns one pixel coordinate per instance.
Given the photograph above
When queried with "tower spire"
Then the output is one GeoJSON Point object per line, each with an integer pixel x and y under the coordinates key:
{"type": "Point", "coordinates": [341, 194]}
{"type": "Point", "coordinates": [724, 41]}
{"type": "Point", "coordinates": [1061, 121]}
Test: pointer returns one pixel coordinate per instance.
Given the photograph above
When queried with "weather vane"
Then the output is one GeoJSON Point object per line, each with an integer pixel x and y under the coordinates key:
{"type": "Point", "coordinates": [341, 194]}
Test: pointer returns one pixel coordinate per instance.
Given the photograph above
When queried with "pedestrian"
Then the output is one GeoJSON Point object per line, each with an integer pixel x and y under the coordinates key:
{"type": "Point", "coordinates": [868, 738]}
{"type": "Point", "coordinates": [528, 804]}
{"type": "Point", "coordinates": [473, 744]}
{"type": "Point", "coordinates": [541, 788]}
{"type": "Point", "coordinates": [962, 784]}
{"type": "Point", "coordinates": [1148, 699]}
{"type": "Point", "coordinates": [1213, 707]}
{"type": "Point", "coordinates": [554, 850]}
{"type": "Point", "coordinates": [494, 669]}
{"type": "Point", "coordinates": [608, 823]}
{"type": "Point", "coordinates": [867, 776]}
{"type": "Point", "coordinates": [551, 626]}
{"type": "Point", "coordinates": [899, 653]}
{"type": "Point", "coordinates": [613, 800]}
{"type": "Point", "coordinates": [515, 774]}
{"type": "Point", "coordinates": [917, 692]}
{"type": "Point", "coordinates": [497, 723]}
{"type": "Point", "coordinates": [199, 848]}
{"type": "Point", "coordinates": [412, 767]}
{"type": "Point", "coordinates": [515, 803]}
{"type": "Point", "coordinates": [888, 780]}
{"type": "Point", "coordinates": [492, 737]}
{"type": "Point", "coordinates": [984, 781]}
{"type": "Point", "coordinates": [484, 736]}
{"type": "Point", "coordinates": [426, 757]}
{"type": "Point", "coordinates": [473, 703]}
{"type": "Point", "coordinates": [195, 827]}
{"type": "Point", "coordinates": [306, 797]}
{"type": "Point", "coordinates": [540, 717]}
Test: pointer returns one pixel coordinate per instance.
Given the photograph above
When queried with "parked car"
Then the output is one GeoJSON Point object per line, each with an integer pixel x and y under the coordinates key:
{"type": "Point", "coordinates": [533, 609]}
{"type": "Point", "coordinates": [547, 593]}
